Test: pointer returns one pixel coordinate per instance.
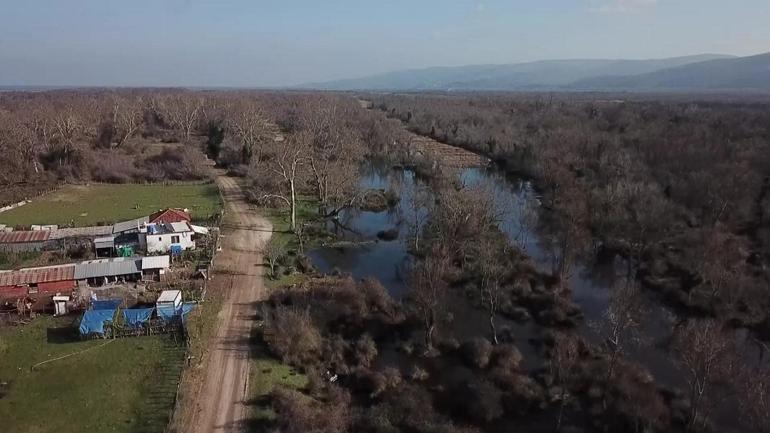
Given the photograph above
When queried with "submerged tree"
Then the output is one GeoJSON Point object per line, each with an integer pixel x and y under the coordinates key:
{"type": "Point", "coordinates": [706, 354]}
{"type": "Point", "coordinates": [427, 290]}
{"type": "Point", "coordinates": [620, 322]}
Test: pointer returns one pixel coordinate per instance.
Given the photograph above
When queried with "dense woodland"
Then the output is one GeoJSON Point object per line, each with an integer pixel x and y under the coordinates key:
{"type": "Point", "coordinates": [680, 189]}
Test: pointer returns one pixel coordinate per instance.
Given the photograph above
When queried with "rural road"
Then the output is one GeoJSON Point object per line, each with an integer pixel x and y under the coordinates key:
{"type": "Point", "coordinates": [221, 404]}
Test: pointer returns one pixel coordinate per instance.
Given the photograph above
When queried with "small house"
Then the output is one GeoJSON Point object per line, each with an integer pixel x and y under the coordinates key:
{"type": "Point", "coordinates": [172, 237]}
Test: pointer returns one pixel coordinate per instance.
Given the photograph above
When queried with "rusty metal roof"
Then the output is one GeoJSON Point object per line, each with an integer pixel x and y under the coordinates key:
{"type": "Point", "coordinates": [37, 275]}
{"type": "Point", "coordinates": [23, 236]}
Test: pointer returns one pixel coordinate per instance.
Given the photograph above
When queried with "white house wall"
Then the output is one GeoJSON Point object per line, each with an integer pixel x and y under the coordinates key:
{"type": "Point", "coordinates": [161, 243]}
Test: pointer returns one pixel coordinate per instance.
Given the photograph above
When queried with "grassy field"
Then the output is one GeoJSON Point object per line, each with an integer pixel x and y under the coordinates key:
{"type": "Point", "coordinates": [85, 205]}
{"type": "Point", "coordinates": [126, 385]}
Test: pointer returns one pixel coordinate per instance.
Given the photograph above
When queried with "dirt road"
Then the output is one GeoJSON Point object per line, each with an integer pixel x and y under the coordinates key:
{"type": "Point", "coordinates": [220, 406]}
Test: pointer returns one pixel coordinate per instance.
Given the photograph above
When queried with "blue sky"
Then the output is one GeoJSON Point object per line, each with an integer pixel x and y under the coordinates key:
{"type": "Point", "coordinates": [273, 43]}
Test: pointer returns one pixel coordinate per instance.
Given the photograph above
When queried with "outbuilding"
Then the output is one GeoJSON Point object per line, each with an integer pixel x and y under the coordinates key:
{"type": "Point", "coordinates": [24, 241]}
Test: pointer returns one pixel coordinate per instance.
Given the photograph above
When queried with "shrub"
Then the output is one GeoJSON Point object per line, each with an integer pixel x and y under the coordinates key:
{"type": "Point", "coordinates": [476, 352]}
{"type": "Point", "coordinates": [365, 350]}
{"type": "Point", "coordinates": [299, 413]}
{"type": "Point", "coordinates": [294, 337]}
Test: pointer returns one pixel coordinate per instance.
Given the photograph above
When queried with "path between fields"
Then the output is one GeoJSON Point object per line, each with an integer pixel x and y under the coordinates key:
{"type": "Point", "coordinates": [221, 406]}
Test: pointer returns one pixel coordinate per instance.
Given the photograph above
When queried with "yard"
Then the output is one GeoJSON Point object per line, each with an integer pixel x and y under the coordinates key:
{"type": "Point", "coordinates": [86, 205]}
{"type": "Point", "coordinates": [125, 385]}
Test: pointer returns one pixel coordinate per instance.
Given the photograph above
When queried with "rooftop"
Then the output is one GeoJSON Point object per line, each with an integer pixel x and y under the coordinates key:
{"type": "Point", "coordinates": [37, 275]}
{"type": "Point", "coordinates": [130, 225]}
{"type": "Point", "coordinates": [108, 267]}
{"type": "Point", "coordinates": [170, 215]}
{"type": "Point", "coordinates": [156, 262]}
{"type": "Point", "coordinates": [169, 295]}
{"type": "Point", "coordinates": [24, 236]}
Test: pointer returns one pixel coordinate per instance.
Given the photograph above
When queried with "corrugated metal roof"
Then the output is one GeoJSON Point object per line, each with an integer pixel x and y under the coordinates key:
{"type": "Point", "coordinates": [108, 267]}
{"type": "Point", "coordinates": [130, 225]}
{"type": "Point", "coordinates": [179, 227]}
{"type": "Point", "coordinates": [89, 232]}
{"type": "Point", "coordinates": [155, 262]}
{"type": "Point", "coordinates": [200, 229]}
{"type": "Point", "coordinates": [37, 275]}
{"type": "Point", "coordinates": [21, 237]}
{"type": "Point", "coordinates": [105, 242]}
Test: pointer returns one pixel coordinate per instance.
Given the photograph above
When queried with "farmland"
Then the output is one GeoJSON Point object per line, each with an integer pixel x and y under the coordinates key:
{"type": "Point", "coordinates": [85, 205]}
{"type": "Point", "coordinates": [125, 385]}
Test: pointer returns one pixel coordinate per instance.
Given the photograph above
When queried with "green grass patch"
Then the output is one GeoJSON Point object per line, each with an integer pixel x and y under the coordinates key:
{"type": "Point", "coordinates": [86, 205]}
{"type": "Point", "coordinates": [285, 281]}
{"type": "Point", "coordinates": [126, 385]}
{"type": "Point", "coordinates": [266, 373]}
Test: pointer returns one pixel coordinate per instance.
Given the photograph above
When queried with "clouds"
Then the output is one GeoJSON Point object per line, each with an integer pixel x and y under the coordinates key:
{"type": "Point", "coordinates": [621, 6]}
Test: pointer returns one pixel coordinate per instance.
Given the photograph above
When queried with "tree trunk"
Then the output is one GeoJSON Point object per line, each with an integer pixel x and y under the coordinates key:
{"type": "Point", "coordinates": [493, 328]}
{"type": "Point", "coordinates": [293, 206]}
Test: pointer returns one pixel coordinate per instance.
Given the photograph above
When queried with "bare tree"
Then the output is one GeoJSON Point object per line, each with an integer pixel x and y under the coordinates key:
{"type": "Point", "coordinates": [335, 154]}
{"type": "Point", "coordinates": [620, 323]}
{"type": "Point", "coordinates": [427, 289]}
{"type": "Point", "coordinates": [181, 111]}
{"type": "Point", "coordinates": [273, 252]}
{"type": "Point", "coordinates": [250, 125]}
{"type": "Point", "coordinates": [126, 116]}
{"type": "Point", "coordinates": [278, 178]}
{"type": "Point", "coordinates": [565, 356]}
{"type": "Point", "coordinates": [491, 267]}
{"type": "Point", "coordinates": [706, 353]}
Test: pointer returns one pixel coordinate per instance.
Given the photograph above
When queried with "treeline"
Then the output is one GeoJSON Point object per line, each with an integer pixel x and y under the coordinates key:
{"type": "Point", "coordinates": [681, 188]}
{"type": "Point", "coordinates": [154, 135]}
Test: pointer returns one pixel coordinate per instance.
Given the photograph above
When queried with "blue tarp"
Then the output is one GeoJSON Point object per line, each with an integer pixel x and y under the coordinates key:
{"type": "Point", "coordinates": [168, 313]}
{"type": "Point", "coordinates": [187, 308]}
{"type": "Point", "coordinates": [137, 316]}
{"type": "Point", "coordinates": [107, 304]}
{"type": "Point", "coordinates": [93, 321]}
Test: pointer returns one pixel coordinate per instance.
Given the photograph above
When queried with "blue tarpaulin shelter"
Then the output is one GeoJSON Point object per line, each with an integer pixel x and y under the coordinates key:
{"type": "Point", "coordinates": [168, 312]}
{"type": "Point", "coordinates": [107, 304]}
{"type": "Point", "coordinates": [186, 308]}
{"type": "Point", "coordinates": [93, 321]}
{"type": "Point", "coordinates": [136, 317]}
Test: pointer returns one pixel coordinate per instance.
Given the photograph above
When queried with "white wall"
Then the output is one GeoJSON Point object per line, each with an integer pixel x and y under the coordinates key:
{"type": "Point", "coordinates": [161, 243]}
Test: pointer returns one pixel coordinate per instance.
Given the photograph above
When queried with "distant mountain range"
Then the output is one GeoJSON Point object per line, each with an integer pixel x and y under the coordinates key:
{"type": "Point", "coordinates": [705, 72]}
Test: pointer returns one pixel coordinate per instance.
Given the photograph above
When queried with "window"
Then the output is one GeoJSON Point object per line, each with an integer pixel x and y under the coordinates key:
{"type": "Point", "coordinates": [174, 239]}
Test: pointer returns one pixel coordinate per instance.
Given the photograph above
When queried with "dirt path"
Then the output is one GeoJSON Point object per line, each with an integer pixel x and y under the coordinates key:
{"type": "Point", "coordinates": [221, 404]}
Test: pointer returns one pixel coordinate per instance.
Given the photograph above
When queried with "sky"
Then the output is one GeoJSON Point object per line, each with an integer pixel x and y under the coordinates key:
{"type": "Point", "coordinates": [264, 43]}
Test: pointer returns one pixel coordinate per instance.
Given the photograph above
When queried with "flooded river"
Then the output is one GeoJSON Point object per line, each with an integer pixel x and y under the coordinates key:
{"type": "Point", "coordinates": [590, 282]}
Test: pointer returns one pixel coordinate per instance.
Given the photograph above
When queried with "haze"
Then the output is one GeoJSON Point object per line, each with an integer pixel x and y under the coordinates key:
{"type": "Point", "coordinates": [270, 43]}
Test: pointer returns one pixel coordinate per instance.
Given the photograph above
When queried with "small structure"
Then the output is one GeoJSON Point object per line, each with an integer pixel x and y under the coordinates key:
{"type": "Point", "coordinates": [23, 241]}
{"type": "Point", "coordinates": [60, 305]}
{"type": "Point", "coordinates": [99, 272]}
{"type": "Point", "coordinates": [169, 304]}
{"type": "Point", "coordinates": [154, 268]}
{"type": "Point", "coordinates": [171, 237]}
{"type": "Point", "coordinates": [104, 246]}
{"type": "Point", "coordinates": [38, 285]}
